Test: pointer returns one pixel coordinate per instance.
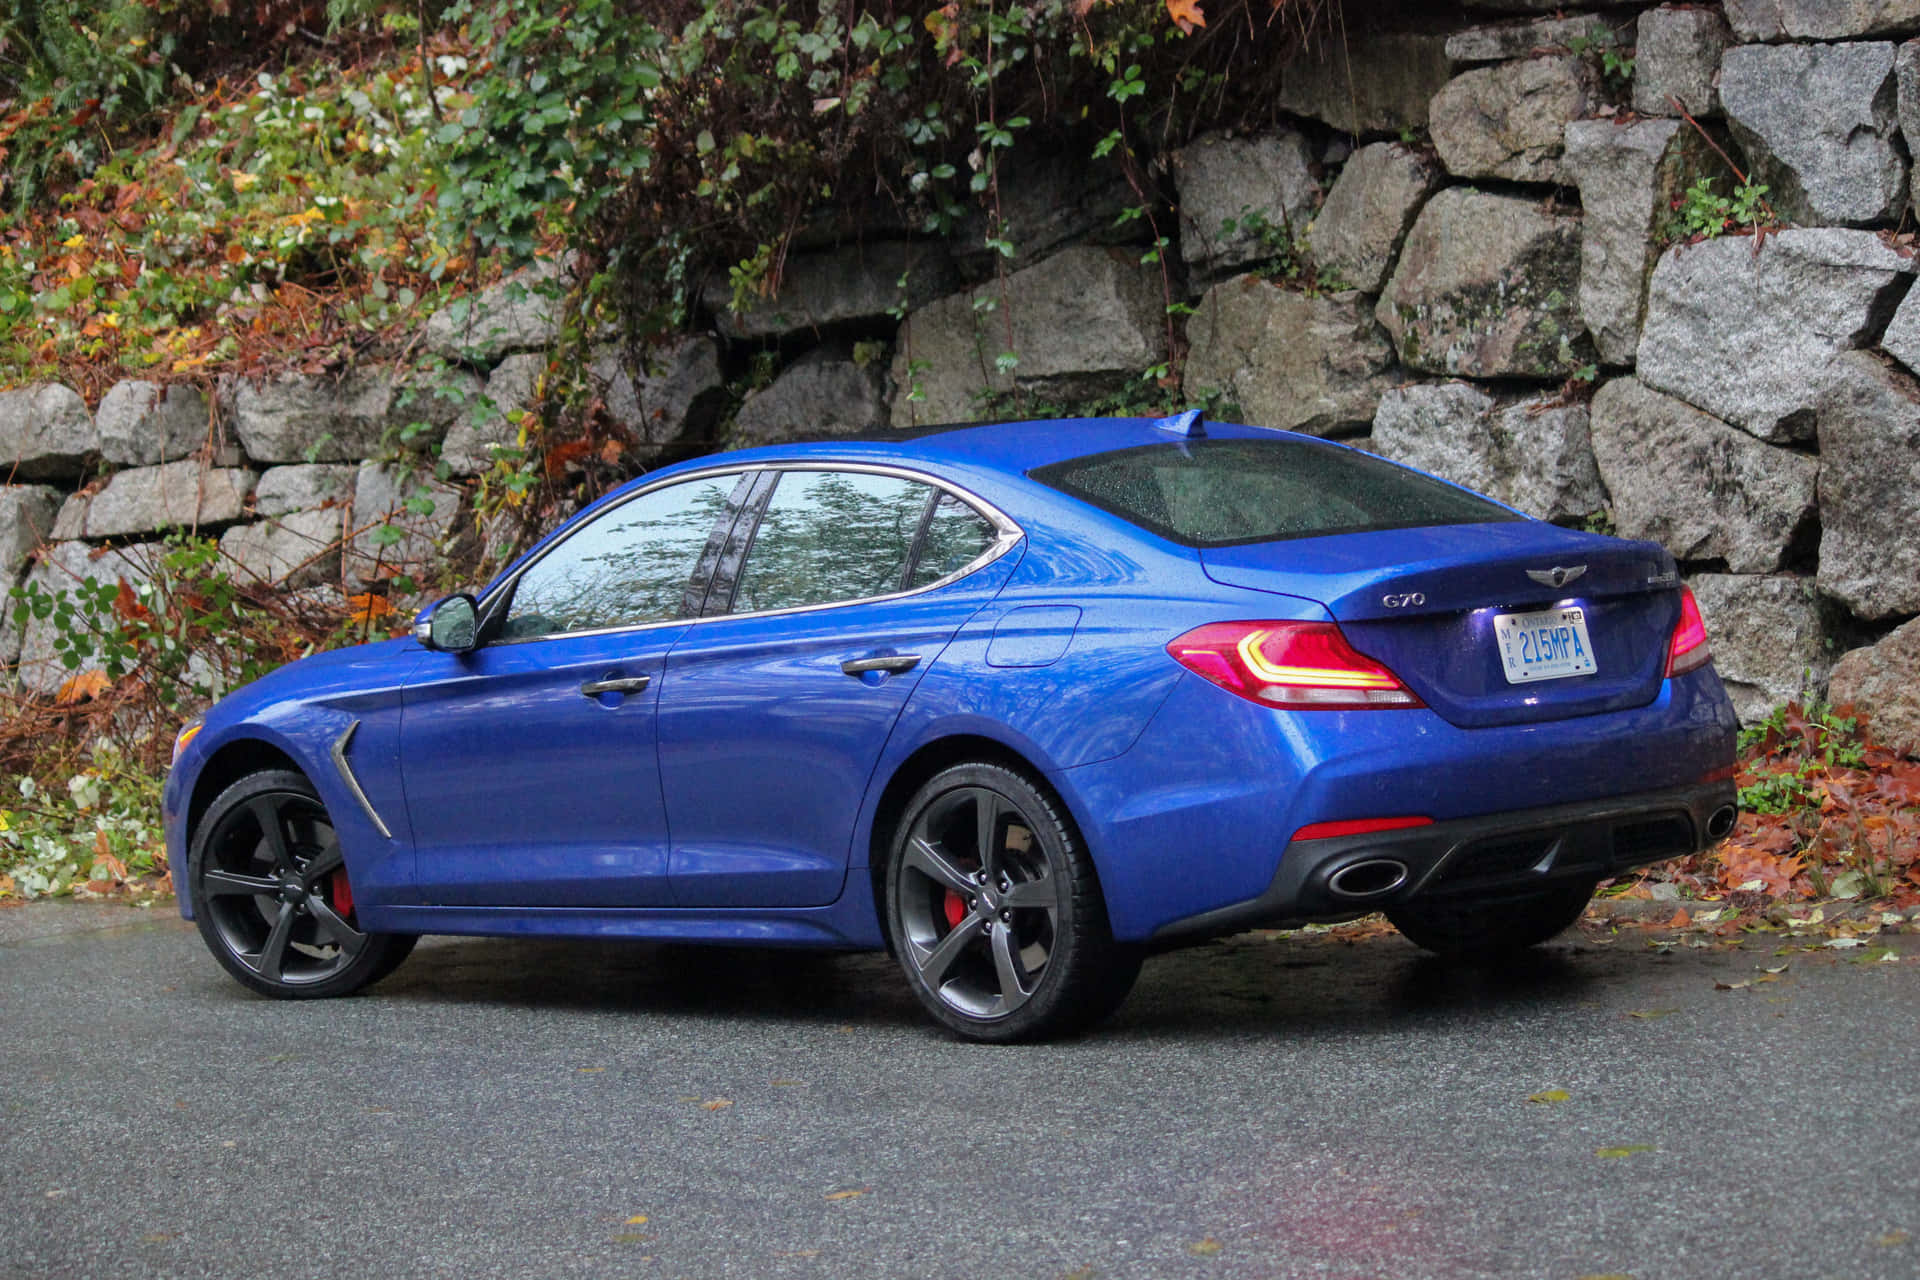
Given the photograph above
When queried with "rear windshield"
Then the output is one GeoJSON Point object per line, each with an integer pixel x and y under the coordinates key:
{"type": "Point", "coordinates": [1218, 493]}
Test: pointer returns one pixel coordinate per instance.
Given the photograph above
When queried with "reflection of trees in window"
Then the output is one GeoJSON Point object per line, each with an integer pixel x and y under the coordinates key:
{"type": "Point", "coordinates": [626, 567]}
{"type": "Point", "coordinates": [956, 536]}
{"type": "Point", "coordinates": [830, 535]}
{"type": "Point", "coordinates": [1210, 492]}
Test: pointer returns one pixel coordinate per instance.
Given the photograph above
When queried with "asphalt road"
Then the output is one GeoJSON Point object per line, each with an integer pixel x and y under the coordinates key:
{"type": "Point", "coordinates": [1265, 1107]}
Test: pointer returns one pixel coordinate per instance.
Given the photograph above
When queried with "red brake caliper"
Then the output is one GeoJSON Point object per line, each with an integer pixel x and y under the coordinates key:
{"type": "Point", "coordinates": [340, 893]}
{"type": "Point", "coordinates": [956, 909]}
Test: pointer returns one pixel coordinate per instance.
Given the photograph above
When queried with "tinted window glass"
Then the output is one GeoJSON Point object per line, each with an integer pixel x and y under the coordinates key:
{"type": "Point", "coordinates": [1211, 493]}
{"type": "Point", "coordinates": [956, 537]}
{"type": "Point", "coordinates": [628, 566]}
{"type": "Point", "coordinates": [830, 535]}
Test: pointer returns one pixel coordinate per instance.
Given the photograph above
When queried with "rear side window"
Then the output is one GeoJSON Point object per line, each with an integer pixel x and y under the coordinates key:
{"type": "Point", "coordinates": [1217, 493]}
{"type": "Point", "coordinates": [829, 536]}
{"type": "Point", "coordinates": [957, 535]}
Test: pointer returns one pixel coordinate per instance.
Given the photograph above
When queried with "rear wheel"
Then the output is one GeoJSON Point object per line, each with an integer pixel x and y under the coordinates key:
{"type": "Point", "coordinates": [996, 913]}
{"type": "Point", "coordinates": [1471, 928]}
{"type": "Point", "coordinates": [271, 896]}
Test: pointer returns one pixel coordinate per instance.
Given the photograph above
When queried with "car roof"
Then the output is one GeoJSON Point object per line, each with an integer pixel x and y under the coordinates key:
{"type": "Point", "coordinates": [1008, 447]}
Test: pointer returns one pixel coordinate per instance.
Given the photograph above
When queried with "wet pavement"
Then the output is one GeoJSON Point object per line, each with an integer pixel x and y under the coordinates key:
{"type": "Point", "coordinates": [1270, 1106]}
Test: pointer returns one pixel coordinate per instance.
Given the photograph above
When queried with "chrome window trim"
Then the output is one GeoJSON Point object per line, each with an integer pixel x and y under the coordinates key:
{"type": "Point", "coordinates": [1007, 534]}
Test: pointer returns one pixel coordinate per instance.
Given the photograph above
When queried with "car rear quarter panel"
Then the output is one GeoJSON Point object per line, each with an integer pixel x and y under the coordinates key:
{"type": "Point", "coordinates": [1196, 815]}
{"type": "Point", "coordinates": [1087, 613]}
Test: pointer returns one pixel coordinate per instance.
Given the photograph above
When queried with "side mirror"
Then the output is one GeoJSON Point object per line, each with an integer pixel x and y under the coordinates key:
{"type": "Point", "coordinates": [449, 625]}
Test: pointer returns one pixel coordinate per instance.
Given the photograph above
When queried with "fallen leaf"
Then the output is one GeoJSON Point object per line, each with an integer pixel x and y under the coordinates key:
{"type": "Point", "coordinates": [1650, 1014]}
{"type": "Point", "coordinates": [1621, 1153]}
{"type": "Point", "coordinates": [637, 1220]}
{"type": "Point", "coordinates": [1205, 1248]}
{"type": "Point", "coordinates": [1186, 15]}
{"type": "Point", "coordinates": [1549, 1095]}
{"type": "Point", "coordinates": [82, 688]}
{"type": "Point", "coordinates": [1893, 1239]}
{"type": "Point", "coordinates": [1840, 944]}
{"type": "Point", "coordinates": [716, 1104]}
{"type": "Point", "coordinates": [846, 1195]}
{"type": "Point", "coordinates": [362, 609]}
{"type": "Point", "coordinates": [587, 1071]}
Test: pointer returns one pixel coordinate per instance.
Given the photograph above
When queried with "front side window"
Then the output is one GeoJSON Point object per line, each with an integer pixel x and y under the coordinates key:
{"type": "Point", "coordinates": [830, 536]}
{"type": "Point", "coordinates": [1213, 493]}
{"type": "Point", "coordinates": [631, 565]}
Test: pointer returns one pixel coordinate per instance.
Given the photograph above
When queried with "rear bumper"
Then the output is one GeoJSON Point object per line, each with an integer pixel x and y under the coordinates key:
{"type": "Point", "coordinates": [1488, 857]}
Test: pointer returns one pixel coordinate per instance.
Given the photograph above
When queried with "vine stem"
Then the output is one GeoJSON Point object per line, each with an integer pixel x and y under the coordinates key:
{"type": "Point", "coordinates": [1745, 181]}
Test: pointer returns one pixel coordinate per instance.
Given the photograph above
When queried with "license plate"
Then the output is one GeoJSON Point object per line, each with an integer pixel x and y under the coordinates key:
{"type": "Point", "coordinates": [1549, 645]}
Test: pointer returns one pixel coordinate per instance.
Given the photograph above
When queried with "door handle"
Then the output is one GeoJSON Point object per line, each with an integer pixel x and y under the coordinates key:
{"type": "Point", "coordinates": [632, 684]}
{"type": "Point", "coordinates": [893, 662]}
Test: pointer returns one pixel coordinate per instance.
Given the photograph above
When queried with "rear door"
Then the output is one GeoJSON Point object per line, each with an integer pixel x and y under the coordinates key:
{"type": "Point", "coordinates": [775, 707]}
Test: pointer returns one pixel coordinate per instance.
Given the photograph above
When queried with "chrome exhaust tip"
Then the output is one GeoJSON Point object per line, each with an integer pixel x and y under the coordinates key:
{"type": "Point", "coordinates": [1370, 878]}
{"type": "Point", "coordinates": [1720, 825]}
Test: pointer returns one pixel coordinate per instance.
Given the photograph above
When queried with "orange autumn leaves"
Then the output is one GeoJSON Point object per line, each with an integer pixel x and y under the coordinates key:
{"type": "Point", "coordinates": [1186, 14]}
{"type": "Point", "coordinates": [1827, 812]}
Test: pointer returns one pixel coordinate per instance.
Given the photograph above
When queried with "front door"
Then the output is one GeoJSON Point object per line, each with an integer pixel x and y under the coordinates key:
{"type": "Point", "coordinates": [531, 770]}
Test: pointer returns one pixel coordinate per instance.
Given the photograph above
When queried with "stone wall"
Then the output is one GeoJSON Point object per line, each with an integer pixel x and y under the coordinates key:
{"type": "Point", "coordinates": [1453, 243]}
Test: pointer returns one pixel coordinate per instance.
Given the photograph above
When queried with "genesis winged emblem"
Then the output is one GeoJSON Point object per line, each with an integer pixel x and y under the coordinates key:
{"type": "Point", "coordinates": [1556, 576]}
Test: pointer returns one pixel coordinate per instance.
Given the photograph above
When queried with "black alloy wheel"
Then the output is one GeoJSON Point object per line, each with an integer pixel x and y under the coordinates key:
{"type": "Point", "coordinates": [1483, 930]}
{"type": "Point", "coordinates": [995, 911]}
{"type": "Point", "coordinates": [271, 896]}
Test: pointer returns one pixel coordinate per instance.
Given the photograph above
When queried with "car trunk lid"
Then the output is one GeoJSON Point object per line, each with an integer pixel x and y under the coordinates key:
{"type": "Point", "coordinates": [1425, 602]}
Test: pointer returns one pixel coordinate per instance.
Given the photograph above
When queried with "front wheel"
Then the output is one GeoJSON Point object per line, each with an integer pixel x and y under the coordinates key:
{"type": "Point", "coordinates": [1483, 929]}
{"type": "Point", "coordinates": [996, 913]}
{"type": "Point", "coordinates": [271, 896]}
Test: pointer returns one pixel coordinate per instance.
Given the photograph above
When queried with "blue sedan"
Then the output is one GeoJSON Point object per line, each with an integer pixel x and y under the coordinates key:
{"type": "Point", "coordinates": [1020, 703]}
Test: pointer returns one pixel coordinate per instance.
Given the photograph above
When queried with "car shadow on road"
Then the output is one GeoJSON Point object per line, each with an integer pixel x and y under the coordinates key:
{"type": "Point", "coordinates": [655, 978]}
{"type": "Point", "coordinates": [1310, 985]}
{"type": "Point", "coordinates": [1250, 986]}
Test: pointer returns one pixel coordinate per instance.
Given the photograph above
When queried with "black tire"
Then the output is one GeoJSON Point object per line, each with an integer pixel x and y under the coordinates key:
{"type": "Point", "coordinates": [1483, 929]}
{"type": "Point", "coordinates": [989, 888]}
{"type": "Point", "coordinates": [265, 876]}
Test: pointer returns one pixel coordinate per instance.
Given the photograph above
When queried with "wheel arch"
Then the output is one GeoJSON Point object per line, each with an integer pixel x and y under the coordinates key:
{"type": "Point", "coordinates": [230, 762]}
{"type": "Point", "coordinates": [914, 772]}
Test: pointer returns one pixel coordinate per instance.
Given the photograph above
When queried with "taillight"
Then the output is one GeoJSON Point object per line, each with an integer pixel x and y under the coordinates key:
{"type": "Point", "coordinates": [1689, 648]}
{"type": "Point", "coordinates": [1302, 666]}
